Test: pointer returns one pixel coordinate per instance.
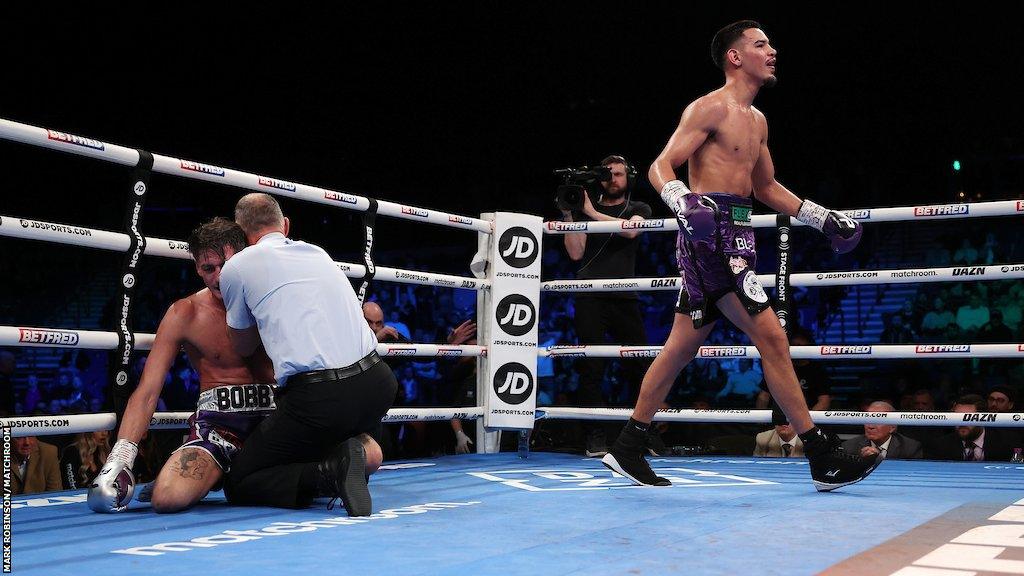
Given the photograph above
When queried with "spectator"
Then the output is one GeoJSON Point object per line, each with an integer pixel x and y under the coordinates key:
{"type": "Point", "coordinates": [780, 441]}
{"type": "Point", "coordinates": [81, 460]}
{"type": "Point", "coordinates": [883, 438]}
{"type": "Point", "coordinates": [972, 316]}
{"type": "Point", "coordinates": [966, 255]}
{"type": "Point", "coordinates": [1000, 399]}
{"type": "Point", "coordinates": [936, 321]}
{"type": "Point", "coordinates": [897, 332]}
{"type": "Point", "coordinates": [742, 385]}
{"type": "Point", "coordinates": [995, 331]}
{"type": "Point", "coordinates": [33, 395]}
{"type": "Point", "coordinates": [34, 466]}
{"type": "Point", "coordinates": [971, 443]}
{"type": "Point", "coordinates": [1010, 310]}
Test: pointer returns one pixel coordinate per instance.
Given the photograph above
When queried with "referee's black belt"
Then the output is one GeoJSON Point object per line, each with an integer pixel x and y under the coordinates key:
{"type": "Point", "coordinates": [334, 374]}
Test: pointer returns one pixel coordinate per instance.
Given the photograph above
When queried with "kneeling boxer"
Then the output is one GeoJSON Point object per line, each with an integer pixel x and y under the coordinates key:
{"type": "Point", "coordinates": [232, 399]}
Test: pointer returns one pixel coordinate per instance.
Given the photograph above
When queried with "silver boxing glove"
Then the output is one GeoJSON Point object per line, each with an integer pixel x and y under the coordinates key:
{"type": "Point", "coordinates": [112, 489]}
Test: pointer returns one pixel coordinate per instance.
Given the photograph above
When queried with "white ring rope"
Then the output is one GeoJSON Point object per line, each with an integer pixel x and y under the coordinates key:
{"type": "Point", "coordinates": [1000, 420]}
{"type": "Point", "coordinates": [825, 352]}
{"type": "Point", "coordinates": [27, 336]}
{"type": "Point", "coordinates": [78, 236]}
{"type": "Point", "coordinates": [99, 150]}
{"type": "Point", "coordinates": [75, 423]}
{"type": "Point", "coordinates": [867, 215]}
{"type": "Point", "coordinates": [851, 278]}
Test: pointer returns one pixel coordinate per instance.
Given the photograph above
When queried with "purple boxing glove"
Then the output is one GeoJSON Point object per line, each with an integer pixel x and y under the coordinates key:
{"type": "Point", "coordinates": [843, 231]}
{"type": "Point", "coordinates": [697, 214]}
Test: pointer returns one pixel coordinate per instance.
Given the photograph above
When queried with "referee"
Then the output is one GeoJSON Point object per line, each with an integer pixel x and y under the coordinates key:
{"type": "Point", "coordinates": [333, 388]}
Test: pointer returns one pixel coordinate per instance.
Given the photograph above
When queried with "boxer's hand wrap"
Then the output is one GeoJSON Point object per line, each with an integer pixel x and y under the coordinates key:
{"type": "Point", "coordinates": [697, 214]}
{"type": "Point", "coordinates": [112, 489]}
{"type": "Point", "coordinates": [843, 231]}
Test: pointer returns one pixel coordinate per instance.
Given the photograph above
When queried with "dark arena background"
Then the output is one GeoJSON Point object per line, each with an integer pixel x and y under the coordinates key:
{"type": "Point", "coordinates": [468, 108]}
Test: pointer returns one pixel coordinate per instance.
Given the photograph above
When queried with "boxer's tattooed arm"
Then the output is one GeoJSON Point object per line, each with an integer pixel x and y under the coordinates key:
{"type": "Point", "coordinates": [190, 465]}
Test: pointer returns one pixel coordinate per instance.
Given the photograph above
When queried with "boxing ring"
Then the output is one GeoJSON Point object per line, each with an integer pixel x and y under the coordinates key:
{"type": "Point", "coordinates": [548, 513]}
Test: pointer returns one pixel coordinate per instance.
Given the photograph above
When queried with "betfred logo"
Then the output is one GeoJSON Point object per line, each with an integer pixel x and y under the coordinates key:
{"type": "Point", "coordinates": [48, 337]}
{"type": "Point", "coordinates": [460, 220]}
{"type": "Point", "coordinates": [942, 348]}
{"type": "Point", "coordinates": [401, 352]}
{"type": "Point", "coordinates": [637, 353]}
{"type": "Point", "coordinates": [943, 210]}
{"type": "Point", "coordinates": [836, 350]}
{"type": "Point", "coordinates": [858, 214]}
{"type": "Point", "coordinates": [413, 211]}
{"type": "Point", "coordinates": [518, 247]}
{"type": "Point", "coordinates": [339, 197]}
{"type": "Point", "coordinates": [203, 168]}
{"type": "Point", "coordinates": [642, 224]}
{"type": "Point", "coordinates": [279, 184]}
{"type": "Point", "coordinates": [515, 314]}
{"type": "Point", "coordinates": [567, 351]}
{"type": "Point", "coordinates": [664, 283]}
{"type": "Point", "coordinates": [447, 352]}
{"type": "Point", "coordinates": [76, 140]}
{"type": "Point", "coordinates": [513, 383]}
{"type": "Point", "coordinates": [1020, 205]}
{"type": "Point", "coordinates": [723, 351]}
{"type": "Point", "coordinates": [976, 417]}
{"type": "Point", "coordinates": [567, 225]}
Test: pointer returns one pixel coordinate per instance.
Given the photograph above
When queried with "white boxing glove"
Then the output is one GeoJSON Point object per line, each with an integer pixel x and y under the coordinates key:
{"type": "Point", "coordinates": [112, 489]}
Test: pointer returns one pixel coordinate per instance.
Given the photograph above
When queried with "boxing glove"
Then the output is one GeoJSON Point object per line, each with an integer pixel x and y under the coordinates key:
{"type": "Point", "coordinates": [112, 489]}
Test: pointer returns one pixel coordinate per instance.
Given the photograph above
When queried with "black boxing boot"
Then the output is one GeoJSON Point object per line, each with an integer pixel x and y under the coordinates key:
{"type": "Point", "coordinates": [342, 474]}
{"type": "Point", "coordinates": [626, 456]}
{"type": "Point", "coordinates": [831, 466]}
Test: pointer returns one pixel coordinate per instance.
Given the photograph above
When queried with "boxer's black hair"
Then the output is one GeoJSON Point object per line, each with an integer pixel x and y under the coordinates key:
{"type": "Point", "coordinates": [214, 235]}
{"type": "Point", "coordinates": [726, 37]}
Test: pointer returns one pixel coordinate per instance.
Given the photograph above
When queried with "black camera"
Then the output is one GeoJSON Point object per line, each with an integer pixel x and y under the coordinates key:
{"type": "Point", "coordinates": [580, 181]}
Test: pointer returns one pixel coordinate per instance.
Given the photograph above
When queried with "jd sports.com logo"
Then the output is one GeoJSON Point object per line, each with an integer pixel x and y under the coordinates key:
{"type": "Point", "coordinates": [513, 383]}
{"type": "Point", "coordinates": [518, 247]}
{"type": "Point", "coordinates": [516, 314]}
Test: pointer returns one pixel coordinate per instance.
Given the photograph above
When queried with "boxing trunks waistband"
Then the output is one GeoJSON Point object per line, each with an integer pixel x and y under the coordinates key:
{"type": "Point", "coordinates": [237, 398]}
{"type": "Point", "coordinates": [335, 374]}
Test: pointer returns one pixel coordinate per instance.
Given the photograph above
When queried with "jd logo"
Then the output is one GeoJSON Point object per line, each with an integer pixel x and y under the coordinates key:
{"type": "Point", "coordinates": [518, 247]}
{"type": "Point", "coordinates": [513, 383]}
{"type": "Point", "coordinates": [516, 314]}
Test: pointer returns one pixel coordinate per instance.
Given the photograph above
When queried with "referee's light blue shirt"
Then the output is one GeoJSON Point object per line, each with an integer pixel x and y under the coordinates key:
{"type": "Point", "coordinates": [305, 308]}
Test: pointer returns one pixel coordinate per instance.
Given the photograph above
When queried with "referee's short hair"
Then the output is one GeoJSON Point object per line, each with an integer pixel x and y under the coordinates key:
{"type": "Point", "coordinates": [258, 211]}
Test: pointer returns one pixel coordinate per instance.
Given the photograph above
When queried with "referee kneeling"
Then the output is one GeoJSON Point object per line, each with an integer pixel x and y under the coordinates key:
{"type": "Point", "coordinates": [333, 388]}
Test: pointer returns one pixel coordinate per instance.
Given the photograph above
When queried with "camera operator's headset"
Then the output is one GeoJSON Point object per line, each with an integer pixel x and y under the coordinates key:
{"type": "Point", "coordinates": [630, 182]}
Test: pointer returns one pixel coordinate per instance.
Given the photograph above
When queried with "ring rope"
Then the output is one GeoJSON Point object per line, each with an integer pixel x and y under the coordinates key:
{"type": "Point", "coordinates": [848, 278]}
{"type": "Point", "coordinates": [27, 229]}
{"type": "Point", "coordinates": [865, 215]}
{"type": "Point", "coordinates": [76, 423]}
{"type": "Point", "coordinates": [92, 148]}
{"type": "Point", "coordinates": [995, 419]}
{"type": "Point", "coordinates": [820, 352]}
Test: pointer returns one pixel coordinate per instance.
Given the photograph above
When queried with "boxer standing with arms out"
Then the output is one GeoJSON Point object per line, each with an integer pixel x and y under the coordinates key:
{"type": "Point", "coordinates": [724, 141]}
{"type": "Point", "coordinates": [232, 402]}
{"type": "Point", "coordinates": [333, 388]}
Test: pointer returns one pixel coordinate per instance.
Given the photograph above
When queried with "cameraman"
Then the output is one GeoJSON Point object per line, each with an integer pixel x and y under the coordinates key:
{"type": "Point", "coordinates": [598, 314]}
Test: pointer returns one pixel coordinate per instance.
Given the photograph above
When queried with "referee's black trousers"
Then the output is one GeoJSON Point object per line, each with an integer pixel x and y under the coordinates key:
{"type": "Point", "coordinates": [311, 419]}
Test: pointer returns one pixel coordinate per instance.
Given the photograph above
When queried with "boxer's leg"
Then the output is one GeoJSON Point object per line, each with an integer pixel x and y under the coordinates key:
{"type": "Point", "coordinates": [770, 340]}
{"type": "Point", "coordinates": [187, 476]}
